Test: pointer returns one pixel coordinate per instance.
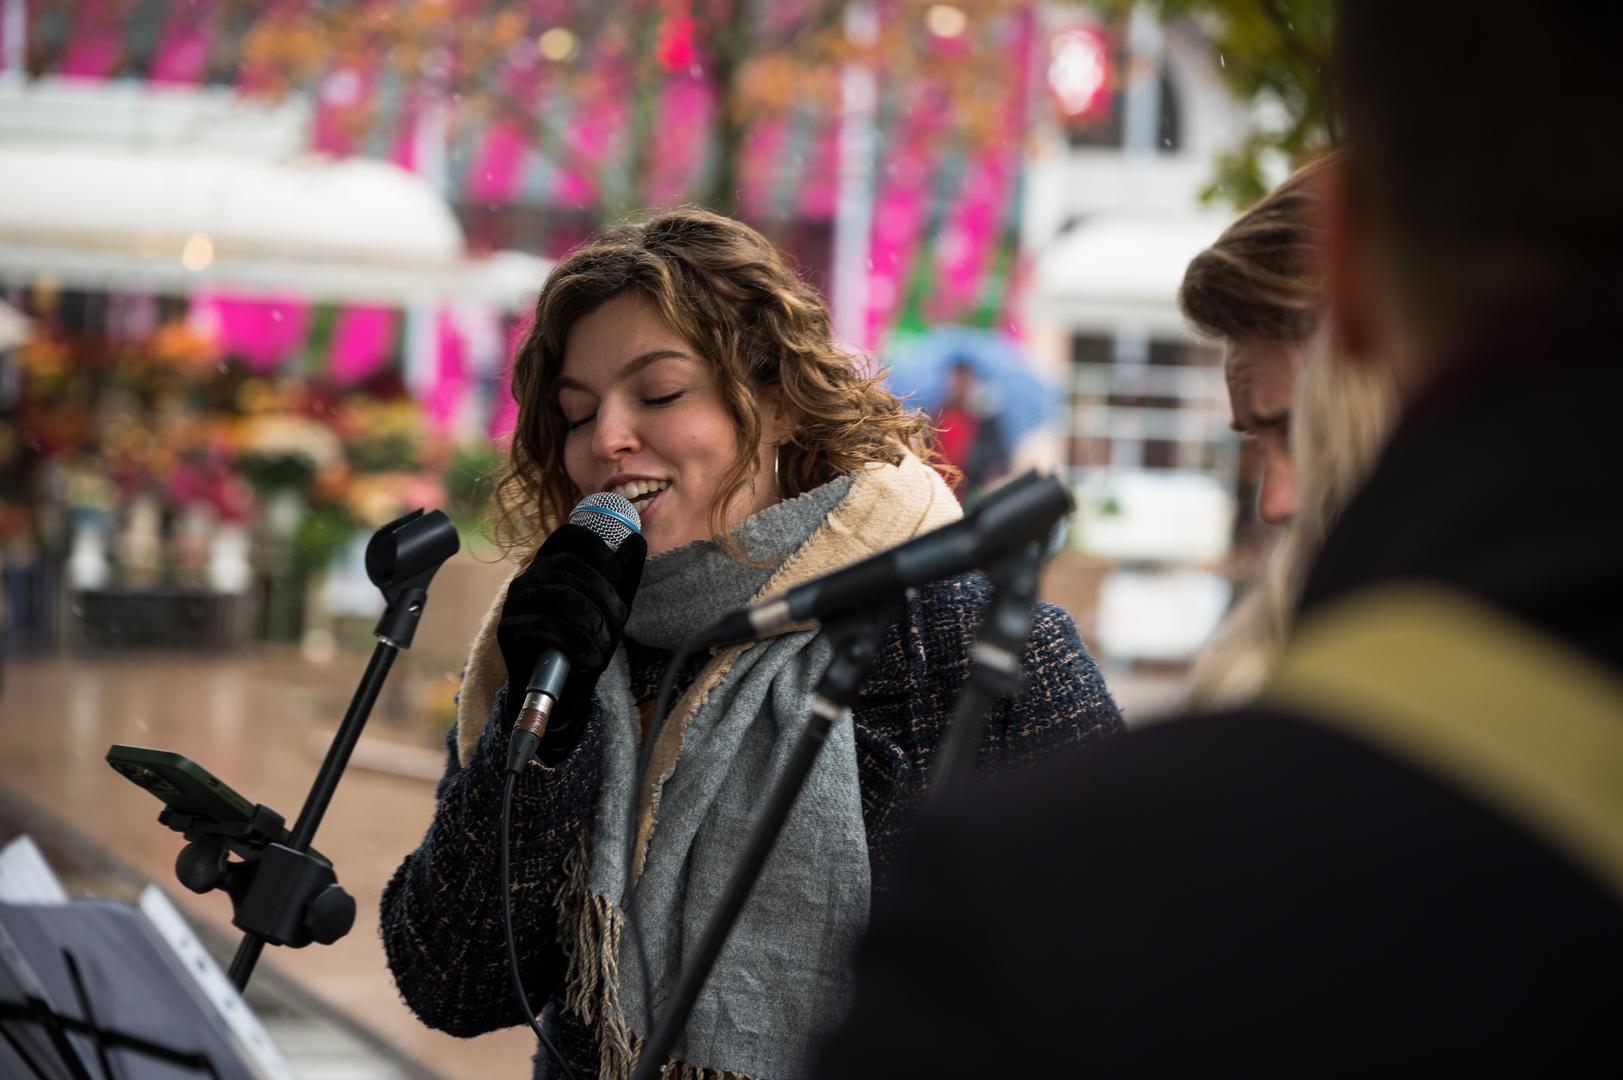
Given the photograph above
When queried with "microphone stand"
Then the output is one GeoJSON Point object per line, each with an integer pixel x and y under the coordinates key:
{"type": "Point", "coordinates": [856, 639]}
{"type": "Point", "coordinates": [994, 670]}
{"type": "Point", "coordinates": [281, 891]}
{"type": "Point", "coordinates": [401, 559]}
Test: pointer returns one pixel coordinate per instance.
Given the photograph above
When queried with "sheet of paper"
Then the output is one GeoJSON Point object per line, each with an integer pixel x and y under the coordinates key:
{"type": "Point", "coordinates": [250, 1035]}
{"type": "Point", "coordinates": [25, 876]}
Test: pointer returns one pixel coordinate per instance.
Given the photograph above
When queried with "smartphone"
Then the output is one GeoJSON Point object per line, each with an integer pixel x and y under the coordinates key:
{"type": "Point", "coordinates": [187, 787]}
{"type": "Point", "coordinates": [180, 782]}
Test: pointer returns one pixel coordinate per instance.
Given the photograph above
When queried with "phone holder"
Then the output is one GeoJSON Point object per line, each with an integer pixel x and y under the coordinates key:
{"type": "Point", "coordinates": [281, 891]}
{"type": "Point", "coordinates": [286, 897]}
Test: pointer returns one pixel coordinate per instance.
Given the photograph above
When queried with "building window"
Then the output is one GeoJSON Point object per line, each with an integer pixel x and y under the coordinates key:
{"type": "Point", "coordinates": [1141, 403]}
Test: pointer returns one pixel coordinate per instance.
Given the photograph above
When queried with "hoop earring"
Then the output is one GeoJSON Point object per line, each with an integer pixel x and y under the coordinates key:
{"type": "Point", "coordinates": [777, 469]}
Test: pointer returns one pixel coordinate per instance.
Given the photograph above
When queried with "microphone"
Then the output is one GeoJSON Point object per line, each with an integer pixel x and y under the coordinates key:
{"type": "Point", "coordinates": [1023, 510]}
{"type": "Point", "coordinates": [612, 519]}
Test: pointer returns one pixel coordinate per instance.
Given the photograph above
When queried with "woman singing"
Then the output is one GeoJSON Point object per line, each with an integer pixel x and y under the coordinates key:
{"type": "Point", "coordinates": [681, 364]}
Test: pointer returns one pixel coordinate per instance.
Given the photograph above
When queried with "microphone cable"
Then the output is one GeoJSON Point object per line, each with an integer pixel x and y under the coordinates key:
{"type": "Point", "coordinates": [507, 928]}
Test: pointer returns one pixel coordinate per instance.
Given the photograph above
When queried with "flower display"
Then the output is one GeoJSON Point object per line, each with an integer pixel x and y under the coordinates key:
{"type": "Point", "coordinates": [166, 440]}
{"type": "Point", "coordinates": [285, 450]}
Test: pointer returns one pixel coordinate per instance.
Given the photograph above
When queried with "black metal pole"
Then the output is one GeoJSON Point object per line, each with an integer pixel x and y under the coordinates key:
{"type": "Point", "coordinates": [856, 640]}
{"type": "Point", "coordinates": [242, 964]}
{"type": "Point", "coordinates": [955, 758]}
{"type": "Point", "coordinates": [761, 841]}
{"type": "Point", "coordinates": [343, 744]}
{"type": "Point", "coordinates": [994, 669]}
{"type": "Point", "coordinates": [326, 783]}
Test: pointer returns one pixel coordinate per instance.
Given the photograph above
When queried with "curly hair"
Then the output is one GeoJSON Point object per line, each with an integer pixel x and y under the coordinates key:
{"type": "Point", "coordinates": [729, 293]}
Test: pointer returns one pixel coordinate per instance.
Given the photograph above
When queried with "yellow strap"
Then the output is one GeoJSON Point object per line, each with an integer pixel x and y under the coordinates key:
{"type": "Point", "coordinates": [1464, 691]}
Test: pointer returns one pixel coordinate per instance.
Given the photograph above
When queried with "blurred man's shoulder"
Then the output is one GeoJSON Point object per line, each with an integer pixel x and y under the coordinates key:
{"type": "Point", "coordinates": [1254, 791]}
{"type": "Point", "coordinates": [1257, 859]}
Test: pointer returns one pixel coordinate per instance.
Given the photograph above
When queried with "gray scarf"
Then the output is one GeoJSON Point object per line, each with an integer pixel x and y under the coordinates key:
{"type": "Point", "coordinates": [783, 976]}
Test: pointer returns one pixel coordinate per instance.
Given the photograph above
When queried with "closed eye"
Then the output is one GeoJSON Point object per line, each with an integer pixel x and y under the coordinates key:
{"type": "Point", "coordinates": [657, 402]}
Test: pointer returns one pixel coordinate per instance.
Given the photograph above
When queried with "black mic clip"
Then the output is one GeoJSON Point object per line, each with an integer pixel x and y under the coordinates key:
{"type": "Point", "coordinates": [401, 559]}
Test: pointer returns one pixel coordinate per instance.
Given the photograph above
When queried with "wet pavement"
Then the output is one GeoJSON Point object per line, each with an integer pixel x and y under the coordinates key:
{"type": "Point", "coordinates": [259, 723]}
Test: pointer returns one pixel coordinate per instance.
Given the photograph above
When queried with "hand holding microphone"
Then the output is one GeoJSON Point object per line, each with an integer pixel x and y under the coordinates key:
{"type": "Point", "coordinates": [562, 620]}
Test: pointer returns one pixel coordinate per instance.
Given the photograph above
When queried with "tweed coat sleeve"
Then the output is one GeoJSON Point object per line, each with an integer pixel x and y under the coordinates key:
{"type": "Point", "coordinates": [908, 701]}
{"type": "Point", "coordinates": [441, 913]}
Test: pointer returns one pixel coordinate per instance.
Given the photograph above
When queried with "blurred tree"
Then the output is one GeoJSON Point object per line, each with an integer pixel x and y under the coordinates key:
{"type": "Point", "coordinates": [550, 67]}
{"type": "Point", "coordinates": [1274, 52]}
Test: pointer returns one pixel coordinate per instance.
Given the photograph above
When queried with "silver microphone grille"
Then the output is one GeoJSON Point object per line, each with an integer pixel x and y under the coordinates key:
{"type": "Point", "coordinates": [610, 516]}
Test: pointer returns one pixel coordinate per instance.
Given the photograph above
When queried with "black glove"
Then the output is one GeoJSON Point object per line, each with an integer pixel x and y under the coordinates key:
{"type": "Point", "coordinates": [574, 596]}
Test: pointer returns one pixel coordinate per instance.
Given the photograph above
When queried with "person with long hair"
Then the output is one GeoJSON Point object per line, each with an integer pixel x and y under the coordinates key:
{"type": "Point", "coordinates": [1256, 291]}
{"type": "Point", "coordinates": [682, 364]}
{"type": "Point", "coordinates": [1319, 426]}
{"type": "Point", "coordinates": [1341, 416]}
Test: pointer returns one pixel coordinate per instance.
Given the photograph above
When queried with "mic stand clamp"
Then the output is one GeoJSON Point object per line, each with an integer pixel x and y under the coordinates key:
{"type": "Point", "coordinates": [856, 639]}
{"type": "Point", "coordinates": [285, 896]}
{"type": "Point", "coordinates": [994, 670]}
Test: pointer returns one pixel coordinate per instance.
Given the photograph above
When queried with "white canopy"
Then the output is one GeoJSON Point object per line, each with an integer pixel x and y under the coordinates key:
{"type": "Point", "coordinates": [1116, 270]}
{"type": "Point", "coordinates": [175, 219]}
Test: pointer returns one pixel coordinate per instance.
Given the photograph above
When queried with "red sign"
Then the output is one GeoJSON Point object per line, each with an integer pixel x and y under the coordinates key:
{"type": "Point", "coordinates": [1079, 74]}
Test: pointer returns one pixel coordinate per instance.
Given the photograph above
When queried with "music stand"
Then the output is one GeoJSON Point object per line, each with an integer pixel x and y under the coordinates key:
{"type": "Point", "coordinates": [89, 991]}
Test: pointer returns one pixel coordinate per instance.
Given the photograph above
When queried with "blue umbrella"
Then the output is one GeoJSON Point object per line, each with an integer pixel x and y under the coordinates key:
{"type": "Point", "coordinates": [1022, 401]}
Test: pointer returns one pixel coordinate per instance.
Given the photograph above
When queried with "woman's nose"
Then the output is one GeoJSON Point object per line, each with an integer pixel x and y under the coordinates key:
{"type": "Point", "coordinates": [615, 432]}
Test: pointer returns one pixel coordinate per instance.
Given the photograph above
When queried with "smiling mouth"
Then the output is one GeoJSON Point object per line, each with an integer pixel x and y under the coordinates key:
{"type": "Point", "coordinates": [641, 493]}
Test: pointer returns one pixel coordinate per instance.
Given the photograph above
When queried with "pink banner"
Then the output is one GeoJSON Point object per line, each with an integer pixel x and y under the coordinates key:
{"type": "Point", "coordinates": [503, 409]}
{"type": "Point", "coordinates": [404, 150]}
{"type": "Point", "coordinates": [973, 231]}
{"type": "Point", "coordinates": [758, 164]}
{"type": "Point", "coordinates": [497, 171]}
{"type": "Point", "coordinates": [820, 175]}
{"type": "Point", "coordinates": [679, 138]}
{"type": "Point", "coordinates": [900, 214]}
{"type": "Point", "coordinates": [450, 384]}
{"type": "Point", "coordinates": [182, 54]}
{"type": "Point", "coordinates": [969, 236]}
{"type": "Point", "coordinates": [593, 132]}
{"type": "Point", "coordinates": [363, 337]}
{"type": "Point", "coordinates": [343, 106]}
{"type": "Point", "coordinates": [261, 332]}
{"type": "Point", "coordinates": [586, 146]}
{"type": "Point", "coordinates": [362, 344]}
{"type": "Point", "coordinates": [93, 43]}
